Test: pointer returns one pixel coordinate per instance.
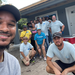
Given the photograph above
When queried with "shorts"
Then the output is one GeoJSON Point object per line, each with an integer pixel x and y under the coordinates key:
{"type": "Point", "coordinates": [65, 65]}
{"type": "Point", "coordinates": [40, 46]}
{"type": "Point", "coordinates": [29, 55]}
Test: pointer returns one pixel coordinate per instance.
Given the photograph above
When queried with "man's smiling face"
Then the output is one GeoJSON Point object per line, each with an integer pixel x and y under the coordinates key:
{"type": "Point", "coordinates": [7, 28]}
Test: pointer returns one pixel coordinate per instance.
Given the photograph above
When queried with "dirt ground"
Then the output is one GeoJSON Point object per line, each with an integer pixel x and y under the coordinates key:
{"type": "Point", "coordinates": [37, 68]}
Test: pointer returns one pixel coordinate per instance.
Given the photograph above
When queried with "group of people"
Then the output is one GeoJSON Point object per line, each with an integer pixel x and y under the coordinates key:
{"type": "Point", "coordinates": [9, 65]}
{"type": "Point", "coordinates": [37, 34]}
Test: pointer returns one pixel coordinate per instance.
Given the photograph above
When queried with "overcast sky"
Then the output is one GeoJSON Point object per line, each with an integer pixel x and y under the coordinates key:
{"type": "Point", "coordinates": [21, 3]}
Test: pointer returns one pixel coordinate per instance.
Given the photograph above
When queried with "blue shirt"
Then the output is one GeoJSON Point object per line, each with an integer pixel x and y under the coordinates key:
{"type": "Point", "coordinates": [39, 38]}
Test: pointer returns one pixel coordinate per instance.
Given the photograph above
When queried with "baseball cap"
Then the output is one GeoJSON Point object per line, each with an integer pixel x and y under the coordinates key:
{"type": "Point", "coordinates": [12, 9]}
{"type": "Point", "coordinates": [57, 34]}
{"type": "Point", "coordinates": [25, 38]}
{"type": "Point", "coordinates": [24, 26]}
{"type": "Point", "coordinates": [38, 28]}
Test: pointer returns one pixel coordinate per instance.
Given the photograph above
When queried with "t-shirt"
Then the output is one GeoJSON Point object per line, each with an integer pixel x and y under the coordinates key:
{"type": "Point", "coordinates": [10, 65]}
{"type": "Point", "coordinates": [37, 25]}
{"type": "Point", "coordinates": [44, 27]}
{"type": "Point", "coordinates": [26, 34]}
{"type": "Point", "coordinates": [66, 55]}
{"type": "Point", "coordinates": [33, 33]}
{"type": "Point", "coordinates": [39, 38]}
{"type": "Point", "coordinates": [25, 49]}
{"type": "Point", "coordinates": [55, 26]}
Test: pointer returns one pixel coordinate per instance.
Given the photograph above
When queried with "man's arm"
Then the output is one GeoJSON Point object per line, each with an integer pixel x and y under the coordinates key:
{"type": "Point", "coordinates": [23, 55]}
{"type": "Point", "coordinates": [50, 30]}
{"type": "Point", "coordinates": [63, 28]}
{"type": "Point", "coordinates": [36, 44]}
{"type": "Point", "coordinates": [51, 66]}
{"type": "Point", "coordinates": [67, 70]}
{"type": "Point", "coordinates": [43, 42]}
{"type": "Point", "coordinates": [33, 48]}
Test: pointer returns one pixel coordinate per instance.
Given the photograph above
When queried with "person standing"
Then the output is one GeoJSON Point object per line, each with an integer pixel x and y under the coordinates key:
{"type": "Point", "coordinates": [56, 26]}
{"type": "Point", "coordinates": [26, 33]}
{"type": "Point", "coordinates": [34, 31]}
{"type": "Point", "coordinates": [49, 32]}
{"type": "Point", "coordinates": [40, 43]}
{"type": "Point", "coordinates": [37, 24]}
{"type": "Point", "coordinates": [9, 16]}
{"type": "Point", "coordinates": [29, 26]}
{"type": "Point", "coordinates": [38, 18]}
{"type": "Point", "coordinates": [34, 21]}
{"type": "Point", "coordinates": [44, 28]}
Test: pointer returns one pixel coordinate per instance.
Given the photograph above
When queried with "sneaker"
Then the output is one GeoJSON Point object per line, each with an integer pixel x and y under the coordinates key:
{"type": "Point", "coordinates": [31, 60]}
{"type": "Point", "coordinates": [40, 57]}
{"type": "Point", "coordinates": [34, 58]}
{"type": "Point", "coordinates": [44, 58]}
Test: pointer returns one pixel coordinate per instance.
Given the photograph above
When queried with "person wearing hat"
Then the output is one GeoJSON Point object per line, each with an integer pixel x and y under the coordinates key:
{"type": "Point", "coordinates": [9, 15]}
{"type": "Point", "coordinates": [29, 26]}
{"type": "Point", "coordinates": [65, 52]}
{"type": "Point", "coordinates": [44, 28]}
{"type": "Point", "coordinates": [40, 42]}
{"type": "Point", "coordinates": [25, 33]}
{"type": "Point", "coordinates": [25, 53]}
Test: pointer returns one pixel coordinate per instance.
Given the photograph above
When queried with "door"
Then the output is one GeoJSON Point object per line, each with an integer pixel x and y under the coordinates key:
{"type": "Point", "coordinates": [71, 19]}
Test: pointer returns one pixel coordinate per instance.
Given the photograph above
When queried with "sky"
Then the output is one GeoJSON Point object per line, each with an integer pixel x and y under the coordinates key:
{"type": "Point", "coordinates": [21, 3]}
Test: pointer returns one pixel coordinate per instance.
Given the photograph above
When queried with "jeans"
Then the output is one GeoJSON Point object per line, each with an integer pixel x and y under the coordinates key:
{"type": "Point", "coordinates": [50, 37]}
{"type": "Point", "coordinates": [47, 42]}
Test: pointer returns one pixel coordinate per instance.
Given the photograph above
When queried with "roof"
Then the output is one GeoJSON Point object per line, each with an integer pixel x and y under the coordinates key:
{"type": "Point", "coordinates": [34, 4]}
{"type": "Point", "coordinates": [42, 6]}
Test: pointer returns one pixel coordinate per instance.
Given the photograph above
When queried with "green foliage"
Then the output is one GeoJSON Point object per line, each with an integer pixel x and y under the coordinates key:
{"type": "Point", "coordinates": [21, 22]}
{"type": "Point", "coordinates": [0, 2]}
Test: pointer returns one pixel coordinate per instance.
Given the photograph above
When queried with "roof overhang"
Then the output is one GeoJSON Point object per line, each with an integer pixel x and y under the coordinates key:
{"type": "Point", "coordinates": [48, 4]}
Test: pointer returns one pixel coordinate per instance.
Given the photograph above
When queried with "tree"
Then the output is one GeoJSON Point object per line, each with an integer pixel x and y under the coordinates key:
{"type": "Point", "coordinates": [21, 22]}
{"type": "Point", "coordinates": [0, 2]}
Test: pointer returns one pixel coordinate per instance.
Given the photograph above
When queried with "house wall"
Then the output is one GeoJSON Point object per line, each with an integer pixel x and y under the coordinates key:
{"type": "Point", "coordinates": [17, 37]}
{"type": "Point", "coordinates": [61, 16]}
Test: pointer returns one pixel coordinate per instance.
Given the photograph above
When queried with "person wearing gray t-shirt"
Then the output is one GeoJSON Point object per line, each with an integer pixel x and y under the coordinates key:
{"type": "Point", "coordinates": [65, 52]}
{"type": "Point", "coordinates": [56, 25]}
{"type": "Point", "coordinates": [9, 15]}
{"type": "Point", "coordinates": [27, 51]}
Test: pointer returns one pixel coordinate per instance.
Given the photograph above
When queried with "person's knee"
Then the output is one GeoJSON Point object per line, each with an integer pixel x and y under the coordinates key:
{"type": "Point", "coordinates": [27, 64]}
{"type": "Point", "coordinates": [43, 47]}
{"type": "Point", "coordinates": [39, 50]}
{"type": "Point", "coordinates": [47, 69]}
{"type": "Point", "coordinates": [34, 52]}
